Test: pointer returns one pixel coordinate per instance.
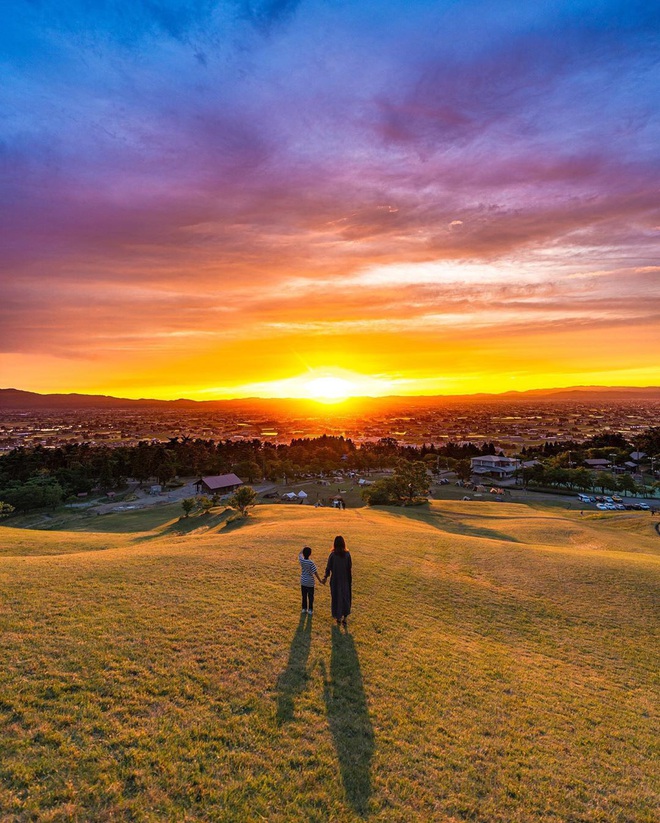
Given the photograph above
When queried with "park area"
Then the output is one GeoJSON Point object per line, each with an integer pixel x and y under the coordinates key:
{"type": "Point", "coordinates": [500, 664]}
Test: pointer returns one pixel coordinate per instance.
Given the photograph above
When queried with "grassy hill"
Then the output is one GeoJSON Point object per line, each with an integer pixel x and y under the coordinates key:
{"type": "Point", "coordinates": [500, 665]}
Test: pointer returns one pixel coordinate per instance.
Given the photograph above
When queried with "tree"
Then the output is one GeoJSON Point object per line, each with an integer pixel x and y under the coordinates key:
{"type": "Point", "coordinates": [463, 470]}
{"type": "Point", "coordinates": [165, 467]}
{"type": "Point", "coordinates": [380, 493]}
{"type": "Point", "coordinates": [583, 479]}
{"type": "Point", "coordinates": [604, 480]}
{"type": "Point", "coordinates": [649, 442]}
{"type": "Point", "coordinates": [408, 485]}
{"type": "Point", "coordinates": [412, 480]}
{"type": "Point", "coordinates": [205, 503]}
{"type": "Point", "coordinates": [627, 485]}
{"type": "Point", "coordinates": [242, 499]}
{"type": "Point", "coordinates": [534, 475]}
{"type": "Point", "coordinates": [273, 469]}
{"type": "Point", "coordinates": [38, 492]}
{"type": "Point", "coordinates": [5, 509]}
{"type": "Point", "coordinates": [141, 462]}
{"type": "Point", "coordinates": [557, 476]}
{"type": "Point", "coordinates": [248, 470]}
{"type": "Point", "coordinates": [188, 504]}
{"type": "Point", "coordinates": [608, 440]}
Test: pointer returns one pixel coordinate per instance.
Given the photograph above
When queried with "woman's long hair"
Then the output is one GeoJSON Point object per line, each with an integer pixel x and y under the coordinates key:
{"type": "Point", "coordinates": [339, 545]}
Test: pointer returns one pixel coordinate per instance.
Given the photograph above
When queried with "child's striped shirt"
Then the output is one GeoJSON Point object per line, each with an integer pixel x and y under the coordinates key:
{"type": "Point", "coordinates": [307, 569]}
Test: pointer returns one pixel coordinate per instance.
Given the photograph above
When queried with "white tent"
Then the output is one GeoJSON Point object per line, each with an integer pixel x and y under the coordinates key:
{"type": "Point", "coordinates": [290, 495]}
{"type": "Point", "coordinates": [302, 494]}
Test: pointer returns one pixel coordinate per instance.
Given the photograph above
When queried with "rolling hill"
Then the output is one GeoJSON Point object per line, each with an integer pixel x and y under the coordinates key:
{"type": "Point", "coordinates": [500, 665]}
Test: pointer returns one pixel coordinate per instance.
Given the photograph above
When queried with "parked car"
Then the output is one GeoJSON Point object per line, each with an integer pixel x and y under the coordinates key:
{"type": "Point", "coordinates": [601, 506]}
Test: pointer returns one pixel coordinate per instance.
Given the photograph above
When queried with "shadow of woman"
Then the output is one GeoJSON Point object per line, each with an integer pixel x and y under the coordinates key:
{"type": "Point", "coordinates": [294, 678]}
{"type": "Point", "coordinates": [348, 716]}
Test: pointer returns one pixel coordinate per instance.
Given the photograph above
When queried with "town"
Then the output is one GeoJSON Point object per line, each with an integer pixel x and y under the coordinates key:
{"type": "Point", "coordinates": [118, 456]}
{"type": "Point", "coordinates": [509, 426]}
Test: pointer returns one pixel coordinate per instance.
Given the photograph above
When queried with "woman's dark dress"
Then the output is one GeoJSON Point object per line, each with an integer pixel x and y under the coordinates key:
{"type": "Point", "coordinates": [341, 583]}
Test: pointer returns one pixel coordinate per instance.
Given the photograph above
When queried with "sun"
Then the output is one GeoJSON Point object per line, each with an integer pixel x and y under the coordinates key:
{"type": "Point", "coordinates": [329, 389]}
{"type": "Point", "coordinates": [321, 385]}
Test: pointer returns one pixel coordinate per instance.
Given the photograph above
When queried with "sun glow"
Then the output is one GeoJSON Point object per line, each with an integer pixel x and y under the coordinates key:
{"type": "Point", "coordinates": [321, 385]}
{"type": "Point", "coordinates": [329, 389]}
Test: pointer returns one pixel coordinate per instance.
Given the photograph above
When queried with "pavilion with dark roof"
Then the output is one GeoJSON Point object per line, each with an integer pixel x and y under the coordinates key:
{"type": "Point", "coordinates": [218, 484]}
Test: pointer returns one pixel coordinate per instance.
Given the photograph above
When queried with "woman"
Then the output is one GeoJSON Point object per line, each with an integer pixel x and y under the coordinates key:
{"type": "Point", "coordinates": [339, 570]}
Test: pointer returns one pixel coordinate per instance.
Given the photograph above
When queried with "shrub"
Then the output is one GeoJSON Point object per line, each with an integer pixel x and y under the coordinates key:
{"type": "Point", "coordinates": [243, 498]}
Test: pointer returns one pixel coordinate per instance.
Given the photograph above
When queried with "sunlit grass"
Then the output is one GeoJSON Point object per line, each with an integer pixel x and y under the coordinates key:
{"type": "Point", "coordinates": [501, 666]}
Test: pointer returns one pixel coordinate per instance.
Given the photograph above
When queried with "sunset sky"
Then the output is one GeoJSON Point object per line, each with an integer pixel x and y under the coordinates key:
{"type": "Point", "coordinates": [216, 199]}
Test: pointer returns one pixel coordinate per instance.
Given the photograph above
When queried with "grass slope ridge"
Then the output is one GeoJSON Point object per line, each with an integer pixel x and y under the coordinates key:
{"type": "Point", "coordinates": [501, 665]}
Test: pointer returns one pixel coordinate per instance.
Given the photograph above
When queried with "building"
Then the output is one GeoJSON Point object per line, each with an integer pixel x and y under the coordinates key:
{"type": "Point", "coordinates": [218, 484]}
{"type": "Point", "coordinates": [501, 467]}
{"type": "Point", "coordinates": [598, 464]}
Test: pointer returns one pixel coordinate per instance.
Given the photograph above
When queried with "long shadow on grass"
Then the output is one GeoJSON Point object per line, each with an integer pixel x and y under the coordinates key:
{"type": "Point", "coordinates": [293, 679]}
{"type": "Point", "coordinates": [348, 716]}
{"type": "Point", "coordinates": [187, 525]}
{"type": "Point", "coordinates": [446, 523]}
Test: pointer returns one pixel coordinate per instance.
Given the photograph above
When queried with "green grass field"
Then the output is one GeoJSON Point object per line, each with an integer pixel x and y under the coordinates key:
{"type": "Point", "coordinates": [501, 664]}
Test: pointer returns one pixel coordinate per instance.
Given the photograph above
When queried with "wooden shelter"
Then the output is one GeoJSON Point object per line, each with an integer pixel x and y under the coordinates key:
{"type": "Point", "coordinates": [218, 484]}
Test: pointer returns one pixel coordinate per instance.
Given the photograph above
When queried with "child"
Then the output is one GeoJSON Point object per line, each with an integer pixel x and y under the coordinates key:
{"type": "Point", "coordinates": [307, 574]}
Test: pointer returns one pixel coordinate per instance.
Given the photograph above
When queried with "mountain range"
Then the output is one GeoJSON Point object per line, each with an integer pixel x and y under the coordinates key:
{"type": "Point", "coordinates": [26, 400]}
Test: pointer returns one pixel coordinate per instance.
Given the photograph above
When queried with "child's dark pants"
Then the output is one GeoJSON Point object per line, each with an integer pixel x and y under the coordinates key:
{"type": "Point", "coordinates": [307, 597]}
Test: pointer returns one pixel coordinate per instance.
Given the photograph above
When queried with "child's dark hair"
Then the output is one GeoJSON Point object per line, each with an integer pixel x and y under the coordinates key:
{"type": "Point", "coordinates": [306, 552]}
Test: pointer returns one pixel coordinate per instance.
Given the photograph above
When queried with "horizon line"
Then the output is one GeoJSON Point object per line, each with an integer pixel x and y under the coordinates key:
{"type": "Point", "coordinates": [322, 402]}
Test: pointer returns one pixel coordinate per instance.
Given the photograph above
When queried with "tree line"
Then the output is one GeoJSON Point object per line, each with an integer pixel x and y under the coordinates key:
{"type": "Point", "coordinates": [35, 477]}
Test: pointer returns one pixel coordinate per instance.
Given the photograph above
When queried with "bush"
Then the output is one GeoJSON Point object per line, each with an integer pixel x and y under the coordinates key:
{"type": "Point", "coordinates": [408, 486]}
{"type": "Point", "coordinates": [36, 493]}
{"type": "Point", "coordinates": [5, 509]}
{"type": "Point", "coordinates": [243, 498]}
{"type": "Point", "coordinates": [188, 504]}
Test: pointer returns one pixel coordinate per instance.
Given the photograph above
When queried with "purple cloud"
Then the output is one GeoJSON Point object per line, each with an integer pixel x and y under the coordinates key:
{"type": "Point", "coordinates": [192, 148]}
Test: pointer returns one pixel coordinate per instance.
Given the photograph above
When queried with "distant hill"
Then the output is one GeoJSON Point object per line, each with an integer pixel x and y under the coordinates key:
{"type": "Point", "coordinates": [588, 393]}
{"type": "Point", "coordinates": [25, 400]}
{"type": "Point", "coordinates": [17, 399]}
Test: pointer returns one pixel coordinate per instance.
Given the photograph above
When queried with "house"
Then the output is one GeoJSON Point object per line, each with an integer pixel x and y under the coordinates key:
{"type": "Point", "coordinates": [597, 463]}
{"type": "Point", "coordinates": [496, 466]}
{"type": "Point", "coordinates": [218, 484]}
